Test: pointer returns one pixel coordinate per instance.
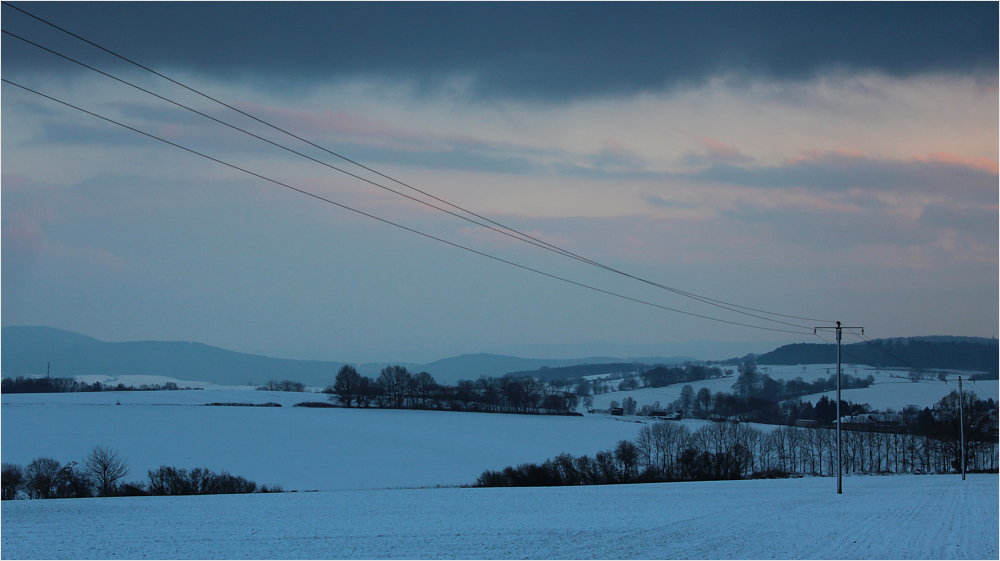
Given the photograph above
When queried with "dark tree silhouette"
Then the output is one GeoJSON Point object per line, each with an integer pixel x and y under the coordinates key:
{"type": "Point", "coordinates": [347, 386]}
{"type": "Point", "coordinates": [41, 478]}
{"type": "Point", "coordinates": [106, 466]}
{"type": "Point", "coordinates": [396, 381]}
{"type": "Point", "coordinates": [11, 481]}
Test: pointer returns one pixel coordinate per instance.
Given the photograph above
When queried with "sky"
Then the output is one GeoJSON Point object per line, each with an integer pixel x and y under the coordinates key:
{"type": "Point", "coordinates": [825, 162]}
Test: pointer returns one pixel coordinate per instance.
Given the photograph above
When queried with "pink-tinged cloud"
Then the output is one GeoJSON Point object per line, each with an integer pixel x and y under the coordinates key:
{"type": "Point", "coordinates": [615, 155]}
{"type": "Point", "coordinates": [985, 164]}
{"type": "Point", "coordinates": [824, 155]}
{"type": "Point", "coordinates": [360, 129]}
{"type": "Point", "coordinates": [846, 171]}
{"type": "Point", "coordinates": [720, 151]}
{"type": "Point", "coordinates": [714, 152]}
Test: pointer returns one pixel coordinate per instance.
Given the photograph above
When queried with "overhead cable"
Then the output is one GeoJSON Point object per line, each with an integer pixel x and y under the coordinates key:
{"type": "Point", "coordinates": [391, 223]}
{"type": "Point", "coordinates": [506, 230]}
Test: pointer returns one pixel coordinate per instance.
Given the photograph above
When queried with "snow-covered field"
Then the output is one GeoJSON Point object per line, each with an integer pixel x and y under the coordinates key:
{"type": "Point", "coordinates": [901, 517]}
{"type": "Point", "coordinates": [295, 447]}
{"type": "Point", "coordinates": [891, 388]}
{"type": "Point", "coordinates": [374, 474]}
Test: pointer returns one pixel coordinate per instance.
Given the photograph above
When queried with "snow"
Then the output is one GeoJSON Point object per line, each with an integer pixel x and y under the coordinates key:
{"type": "Point", "coordinates": [900, 517]}
{"type": "Point", "coordinates": [892, 388]}
{"type": "Point", "coordinates": [295, 447]}
{"type": "Point", "coordinates": [376, 473]}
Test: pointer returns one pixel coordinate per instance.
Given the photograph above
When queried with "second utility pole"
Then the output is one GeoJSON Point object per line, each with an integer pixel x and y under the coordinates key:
{"type": "Point", "coordinates": [840, 454]}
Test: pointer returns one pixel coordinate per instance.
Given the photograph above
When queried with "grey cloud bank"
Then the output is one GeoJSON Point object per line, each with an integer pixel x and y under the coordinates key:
{"type": "Point", "coordinates": [544, 51]}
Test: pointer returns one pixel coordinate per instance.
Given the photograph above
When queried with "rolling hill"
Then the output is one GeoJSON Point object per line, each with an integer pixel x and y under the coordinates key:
{"type": "Point", "coordinates": [27, 349]}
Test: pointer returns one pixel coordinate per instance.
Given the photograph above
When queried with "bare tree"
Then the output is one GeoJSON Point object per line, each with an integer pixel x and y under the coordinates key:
{"type": "Point", "coordinates": [704, 399]}
{"type": "Point", "coordinates": [629, 405]}
{"type": "Point", "coordinates": [424, 386]}
{"type": "Point", "coordinates": [627, 456]}
{"type": "Point", "coordinates": [107, 467]}
{"type": "Point", "coordinates": [11, 480]}
{"type": "Point", "coordinates": [397, 382]}
{"type": "Point", "coordinates": [42, 476]}
{"type": "Point", "coordinates": [687, 399]}
{"type": "Point", "coordinates": [347, 385]}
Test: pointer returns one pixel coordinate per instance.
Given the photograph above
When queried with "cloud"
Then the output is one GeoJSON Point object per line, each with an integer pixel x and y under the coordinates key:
{"type": "Point", "coordinates": [979, 222]}
{"type": "Point", "coordinates": [538, 51]}
{"type": "Point", "coordinates": [714, 152]}
{"type": "Point", "coordinates": [842, 171]}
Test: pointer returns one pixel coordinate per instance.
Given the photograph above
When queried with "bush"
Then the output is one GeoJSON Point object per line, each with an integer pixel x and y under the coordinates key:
{"type": "Point", "coordinates": [283, 386]}
{"type": "Point", "coordinates": [167, 480]}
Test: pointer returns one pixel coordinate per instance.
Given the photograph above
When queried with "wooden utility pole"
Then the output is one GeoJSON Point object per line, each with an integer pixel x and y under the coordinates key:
{"type": "Point", "coordinates": [961, 423]}
{"type": "Point", "coordinates": [840, 453]}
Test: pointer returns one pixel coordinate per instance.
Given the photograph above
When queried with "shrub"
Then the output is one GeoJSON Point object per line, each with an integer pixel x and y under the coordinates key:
{"type": "Point", "coordinates": [167, 480]}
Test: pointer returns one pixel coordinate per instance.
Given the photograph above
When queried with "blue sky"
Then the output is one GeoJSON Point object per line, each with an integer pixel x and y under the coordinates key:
{"type": "Point", "coordinates": [828, 161]}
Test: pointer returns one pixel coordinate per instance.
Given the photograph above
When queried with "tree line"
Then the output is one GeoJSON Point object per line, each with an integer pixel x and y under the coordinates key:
{"type": "Point", "coordinates": [101, 475]}
{"type": "Point", "coordinates": [670, 451]}
{"type": "Point", "coordinates": [397, 388]}
{"type": "Point", "coordinates": [23, 384]}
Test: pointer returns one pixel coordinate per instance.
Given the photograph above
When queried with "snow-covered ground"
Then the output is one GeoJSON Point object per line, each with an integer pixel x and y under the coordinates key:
{"type": "Point", "coordinates": [901, 517]}
{"type": "Point", "coordinates": [375, 472]}
{"type": "Point", "coordinates": [892, 388]}
{"type": "Point", "coordinates": [295, 447]}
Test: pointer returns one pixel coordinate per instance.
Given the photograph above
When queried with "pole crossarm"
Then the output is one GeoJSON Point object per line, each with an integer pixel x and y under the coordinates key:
{"type": "Point", "coordinates": [840, 454]}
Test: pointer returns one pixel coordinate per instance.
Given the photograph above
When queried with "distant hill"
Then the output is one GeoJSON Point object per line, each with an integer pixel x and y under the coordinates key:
{"type": "Point", "coordinates": [956, 353]}
{"type": "Point", "coordinates": [27, 349]}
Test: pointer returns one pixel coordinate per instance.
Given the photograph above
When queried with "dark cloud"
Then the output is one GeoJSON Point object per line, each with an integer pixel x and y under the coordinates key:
{"type": "Point", "coordinates": [533, 50]}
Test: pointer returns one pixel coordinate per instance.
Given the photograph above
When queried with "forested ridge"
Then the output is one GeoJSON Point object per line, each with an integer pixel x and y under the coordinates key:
{"type": "Point", "coordinates": [981, 356]}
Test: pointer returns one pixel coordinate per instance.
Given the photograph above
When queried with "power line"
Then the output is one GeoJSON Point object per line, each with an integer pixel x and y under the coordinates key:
{"type": "Point", "coordinates": [859, 361]}
{"type": "Point", "coordinates": [552, 248]}
{"type": "Point", "coordinates": [879, 347]}
{"type": "Point", "coordinates": [389, 222]}
{"type": "Point", "coordinates": [513, 232]}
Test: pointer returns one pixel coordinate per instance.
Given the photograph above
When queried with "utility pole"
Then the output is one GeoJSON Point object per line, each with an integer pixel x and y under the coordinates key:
{"type": "Point", "coordinates": [961, 423]}
{"type": "Point", "coordinates": [840, 448]}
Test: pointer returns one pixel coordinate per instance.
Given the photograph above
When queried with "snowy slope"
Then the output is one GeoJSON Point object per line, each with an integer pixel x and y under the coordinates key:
{"type": "Point", "coordinates": [902, 517]}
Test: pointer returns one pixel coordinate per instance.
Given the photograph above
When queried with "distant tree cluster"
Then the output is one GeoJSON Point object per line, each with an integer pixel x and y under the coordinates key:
{"type": "Point", "coordinates": [22, 384]}
{"type": "Point", "coordinates": [101, 475]}
{"type": "Point", "coordinates": [758, 398]}
{"type": "Point", "coordinates": [927, 442]}
{"type": "Point", "coordinates": [661, 376]}
{"type": "Point", "coordinates": [283, 386]}
{"type": "Point", "coordinates": [397, 388]}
